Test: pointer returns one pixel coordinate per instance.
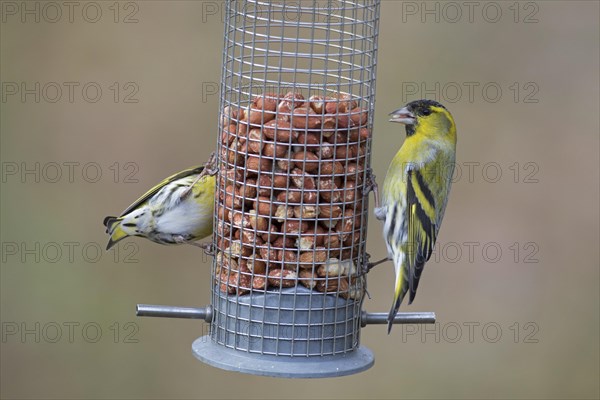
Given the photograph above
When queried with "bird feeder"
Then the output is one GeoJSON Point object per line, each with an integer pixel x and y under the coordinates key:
{"type": "Point", "coordinates": [293, 159]}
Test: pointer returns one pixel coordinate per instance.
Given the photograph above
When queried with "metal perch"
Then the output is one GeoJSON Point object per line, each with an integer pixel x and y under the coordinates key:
{"type": "Point", "coordinates": [205, 313]}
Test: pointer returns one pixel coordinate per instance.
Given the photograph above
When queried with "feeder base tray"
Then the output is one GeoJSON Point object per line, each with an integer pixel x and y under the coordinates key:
{"type": "Point", "coordinates": [228, 359]}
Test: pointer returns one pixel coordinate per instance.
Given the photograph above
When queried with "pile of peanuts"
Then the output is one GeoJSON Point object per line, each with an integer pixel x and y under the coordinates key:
{"type": "Point", "coordinates": [290, 194]}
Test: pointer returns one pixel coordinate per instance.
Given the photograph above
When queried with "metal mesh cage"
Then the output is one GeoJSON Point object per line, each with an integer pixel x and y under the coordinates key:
{"type": "Point", "coordinates": [294, 143]}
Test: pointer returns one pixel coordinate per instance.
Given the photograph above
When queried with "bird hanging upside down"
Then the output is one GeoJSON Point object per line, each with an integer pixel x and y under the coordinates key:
{"type": "Point", "coordinates": [415, 193]}
{"type": "Point", "coordinates": [180, 209]}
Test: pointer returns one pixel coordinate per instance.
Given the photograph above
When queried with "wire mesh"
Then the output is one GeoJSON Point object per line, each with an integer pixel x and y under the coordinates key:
{"type": "Point", "coordinates": [297, 101]}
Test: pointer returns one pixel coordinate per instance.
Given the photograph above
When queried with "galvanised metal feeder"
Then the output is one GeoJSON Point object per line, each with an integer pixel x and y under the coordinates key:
{"type": "Point", "coordinates": [293, 155]}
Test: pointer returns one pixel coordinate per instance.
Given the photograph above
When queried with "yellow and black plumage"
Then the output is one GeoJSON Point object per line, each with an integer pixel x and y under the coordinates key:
{"type": "Point", "coordinates": [415, 192]}
{"type": "Point", "coordinates": [177, 210]}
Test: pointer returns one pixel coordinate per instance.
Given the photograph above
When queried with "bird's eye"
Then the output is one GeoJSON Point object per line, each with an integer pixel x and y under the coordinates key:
{"type": "Point", "coordinates": [426, 112]}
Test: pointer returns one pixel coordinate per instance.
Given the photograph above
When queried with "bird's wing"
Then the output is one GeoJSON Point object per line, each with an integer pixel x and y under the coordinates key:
{"type": "Point", "coordinates": [156, 189]}
{"type": "Point", "coordinates": [422, 226]}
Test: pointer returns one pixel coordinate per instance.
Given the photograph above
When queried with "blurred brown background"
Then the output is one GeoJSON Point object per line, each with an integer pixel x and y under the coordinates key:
{"type": "Point", "coordinates": [519, 323]}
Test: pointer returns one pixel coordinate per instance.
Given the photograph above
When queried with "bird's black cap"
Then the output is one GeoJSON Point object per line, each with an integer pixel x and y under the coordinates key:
{"type": "Point", "coordinates": [424, 103]}
{"type": "Point", "coordinates": [418, 106]}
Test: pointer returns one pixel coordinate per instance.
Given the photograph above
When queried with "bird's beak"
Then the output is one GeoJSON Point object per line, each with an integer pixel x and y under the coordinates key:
{"type": "Point", "coordinates": [403, 116]}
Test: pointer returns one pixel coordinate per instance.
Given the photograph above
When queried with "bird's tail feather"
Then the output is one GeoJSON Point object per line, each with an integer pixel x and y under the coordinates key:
{"type": "Point", "coordinates": [393, 312]}
{"type": "Point", "coordinates": [400, 290]}
{"type": "Point", "coordinates": [417, 275]}
{"type": "Point", "coordinates": [115, 230]}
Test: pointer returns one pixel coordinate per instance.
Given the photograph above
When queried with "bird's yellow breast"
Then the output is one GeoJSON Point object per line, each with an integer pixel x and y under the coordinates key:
{"type": "Point", "coordinates": [431, 149]}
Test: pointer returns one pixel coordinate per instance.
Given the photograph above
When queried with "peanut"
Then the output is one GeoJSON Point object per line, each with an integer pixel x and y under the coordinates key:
{"type": "Point", "coordinates": [326, 151]}
{"type": "Point", "coordinates": [310, 238]}
{"type": "Point", "coordinates": [230, 115]}
{"type": "Point", "coordinates": [223, 229]}
{"type": "Point", "coordinates": [306, 278]}
{"type": "Point", "coordinates": [235, 153]}
{"type": "Point", "coordinates": [228, 134]}
{"type": "Point", "coordinates": [271, 235]}
{"type": "Point", "coordinates": [345, 226]}
{"type": "Point", "coordinates": [334, 106]}
{"type": "Point", "coordinates": [290, 101]}
{"type": "Point", "coordinates": [305, 212]}
{"type": "Point", "coordinates": [265, 185]}
{"type": "Point", "coordinates": [249, 237]}
{"type": "Point", "coordinates": [257, 266]}
{"type": "Point", "coordinates": [280, 181]}
{"type": "Point", "coordinates": [231, 197]}
{"type": "Point", "coordinates": [285, 164]}
{"type": "Point", "coordinates": [329, 190]}
{"type": "Point", "coordinates": [255, 164]}
{"type": "Point", "coordinates": [255, 142]}
{"type": "Point", "coordinates": [278, 130]}
{"type": "Point", "coordinates": [288, 259]}
{"type": "Point", "coordinates": [329, 125]}
{"type": "Point", "coordinates": [332, 241]}
{"type": "Point", "coordinates": [354, 291]}
{"type": "Point", "coordinates": [231, 176]}
{"type": "Point", "coordinates": [275, 150]}
{"type": "Point", "coordinates": [248, 189]}
{"type": "Point", "coordinates": [332, 168]}
{"type": "Point", "coordinates": [264, 206]}
{"type": "Point", "coordinates": [225, 262]}
{"type": "Point", "coordinates": [352, 238]}
{"type": "Point", "coordinates": [302, 180]}
{"type": "Point", "coordinates": [317, 103]}
{"type": "Point", "coordinates": [344, 121]}
{"type": "Point", "coordinates": [349, 192]}
{"type": "Point", "coordinates": [347, 99]}
{"type": "Point", "coordinates": [268, 254]}
{"type": "Point", "coordinates": [335, 267]}
{"type": "Point", "coordinates": [281, 243]}
{"type": "Point", "coordinates": [346, 151]}
{"type": "Point", "coordinates": [259, 223]}
{"type": "Point", "coordinates": [267, 101]}
{"type": "Point", "coordinates": [289, 197]}
{"type": "Point", "coordinates": [259, 283]}
{"type": "Point", "coordinates": [338, 138]}
{"type": "Point", "coordinates": [228, 282]}
{"type": "Point", "coordinates": [355, 172]}
{"type": "Point", "coordinates": [283, 212]}
{"type": "Point", "coordinates": [329, 215]}
{"type": "Point", "coordinates": [256, 116]}
{"type": "Point", "coordinates": [295, 228]}
{"type": "Point", "coordinates": [327, 211]}
{"type": "Point", "coordinates": [305, 118]}
{"type": "Point", "coordinates": [222, 213]}
{"type": "Point", "coordinates": [242, 131]}
{"type": "Point", "coordinates": [306, 159]}
{"type": "Point", "coordinates": [282, 278]}
{"type": "Point", "coordinates": [310, 196]}
{"type": "Point", "coordinates": [236, 249]}
{"type": "Point", "coordinates": [359, 135]}
{"type": "Point", "coordinates": [309, 258]}
{"type": "Point", "coordinates": [309, 138]}
{"type": "Point", "coordinates": [240, 220]}
{"type": "Point", "coordinates": [359, 116]}
{"type": "Point", "coordinates": [332, 285]}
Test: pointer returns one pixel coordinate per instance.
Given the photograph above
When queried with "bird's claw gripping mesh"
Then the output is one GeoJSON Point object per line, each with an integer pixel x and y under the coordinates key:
{"type": "Point", "coordinates": [209, 249]}
{"type": "Point", "coordinates": [211, 167]}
